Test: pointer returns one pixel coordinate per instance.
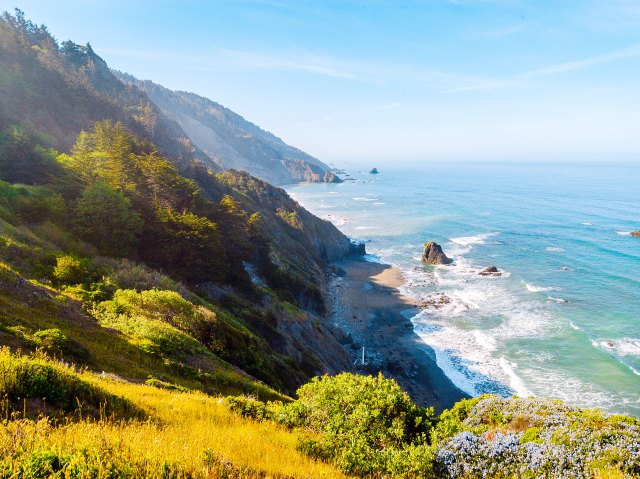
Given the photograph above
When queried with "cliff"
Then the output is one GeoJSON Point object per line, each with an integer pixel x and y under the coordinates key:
{"type": "Point", "coordinates": [231, 141]}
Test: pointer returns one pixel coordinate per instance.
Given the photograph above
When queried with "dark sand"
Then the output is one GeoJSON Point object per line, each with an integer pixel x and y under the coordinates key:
{"type": "Point", "coordinates": [368, 307]}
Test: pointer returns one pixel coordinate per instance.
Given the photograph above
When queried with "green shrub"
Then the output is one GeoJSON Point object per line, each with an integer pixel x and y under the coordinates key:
{"type": "Point", "coordinates": [47, 384]}
{"type": "Point", "coordinates": [248, 407]}
{"type": "Point", "coordinates": [362, 422]}
{"type": "Point", "coordinates": [55, 342]}
{"type": "Point", "coordinates": [70, 270]}
{"type": "Point", "coordinates": [160, 320]}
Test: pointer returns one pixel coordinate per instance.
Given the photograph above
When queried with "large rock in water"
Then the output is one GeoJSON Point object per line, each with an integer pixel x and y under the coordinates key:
{"type": "Point", "coordinates": [433, 254]}
{"type": "Point", "coordinates": [635, 233]}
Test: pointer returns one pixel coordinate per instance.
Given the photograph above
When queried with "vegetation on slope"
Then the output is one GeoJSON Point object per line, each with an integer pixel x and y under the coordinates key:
{"type": "Point", "coordinates": [181, 435]}
{"type": "Point", "coordinates": [367, 426]}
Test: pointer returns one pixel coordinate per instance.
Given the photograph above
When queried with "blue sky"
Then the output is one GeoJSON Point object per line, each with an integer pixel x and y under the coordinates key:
{"type": "Point", "coordinates": [389, 81]}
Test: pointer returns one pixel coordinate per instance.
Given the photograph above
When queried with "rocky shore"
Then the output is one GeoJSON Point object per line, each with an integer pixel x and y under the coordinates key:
{"type": "Point", "coordinates": [371, 312]}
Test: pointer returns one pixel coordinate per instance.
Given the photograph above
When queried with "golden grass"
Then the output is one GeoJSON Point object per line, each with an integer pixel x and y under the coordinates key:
{"type": "Point", "coordinates": [193, 433]}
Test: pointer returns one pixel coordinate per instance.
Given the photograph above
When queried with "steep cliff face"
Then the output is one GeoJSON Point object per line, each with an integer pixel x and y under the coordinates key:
{"type": "Point", "coordinates": [231, 141]}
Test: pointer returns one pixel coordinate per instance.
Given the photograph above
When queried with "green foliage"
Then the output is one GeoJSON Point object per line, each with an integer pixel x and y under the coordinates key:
{"type": "Point", "coordinates": [290, 217]}
{"type": "Point", "coordinates": [190, 245]}
{"type": "Point", "coordinates": [22, 160]}
{"type": "Point", "coordinates": [70, 270]}
{"type": "Point", "coordinates": [156, 319]}
{"type": "Point", "coordinates": [248, 407]}
{"type": "Point", "coordinates": [532, 434]}
{"type": "Point", "coordinates": [363, 422]}
{"type": "Point", "coordinates": [104, 217]}
{"type": "Point", "coordinates": [451, 421]}
{"type": "Point", "coordinates": [44, 383]}
{"type": "Point", "coordinates": [21, 204]}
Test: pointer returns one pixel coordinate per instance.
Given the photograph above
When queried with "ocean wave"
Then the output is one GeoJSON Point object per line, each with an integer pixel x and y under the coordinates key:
{"type": "Point", "coordinates": [360, 198]}
{"type": "Point", "coordinates": [624, 233]}
{"type": "Point", "coordinates": [621, 347]}
{"type": "Point", "coordinates": [554, 249]}
{"type": "Point", "coordinates": [557, 300]}
{"type": "Point", "coordinates": [336, 220]}
{"type": "Point", "coordinates": [378, 203]}
{"type": "Point", "coordinates": [539, 289]}
{"type": "Point", "coordinates": [365, 227]}
{"type": "Point", "coordinates": [473, 240]}
{"type": "Point", "coordinates": [587, 224]}
{"type": "Point", "coordinates": [514, 380]}
{"type": "Point", "coordinates": [468, 364]}
{"type": "Point", "coordinates": [577, 328]}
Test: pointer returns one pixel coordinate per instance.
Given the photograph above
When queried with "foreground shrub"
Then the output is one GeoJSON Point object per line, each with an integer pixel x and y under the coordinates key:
{"type": "Point", "coordinates": [34, 384]}
{"type": "Point", "coordinates": [363, 424]}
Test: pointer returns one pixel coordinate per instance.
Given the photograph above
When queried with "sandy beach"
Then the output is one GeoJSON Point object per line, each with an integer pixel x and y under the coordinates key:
{"type": "Point", "coordinates": [369, 309]}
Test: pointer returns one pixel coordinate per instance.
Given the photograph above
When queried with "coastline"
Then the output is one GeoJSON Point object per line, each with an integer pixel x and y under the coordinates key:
{"type": "Point", "coordinates": [368, 307]}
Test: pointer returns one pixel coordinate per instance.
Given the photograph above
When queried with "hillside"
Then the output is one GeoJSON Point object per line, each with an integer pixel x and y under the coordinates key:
{"type": "Point", "coordinates": [230, 140]}
{"type": "Point", "coordinates": [159, 318]}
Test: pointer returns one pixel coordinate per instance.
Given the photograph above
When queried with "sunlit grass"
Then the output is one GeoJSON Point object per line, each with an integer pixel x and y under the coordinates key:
{"type": "Point", "coordinates": [186, 435]}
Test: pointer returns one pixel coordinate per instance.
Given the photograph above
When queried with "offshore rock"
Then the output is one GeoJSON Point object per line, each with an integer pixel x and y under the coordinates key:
{"type": "Point", "coordinates": [374, 171]}
{"type": "Point", "coordinates": [433, 254]}
{"type": "Point", "coordinates": [635, 233]}
{"type": "Point", "coordinates": [490, 271]}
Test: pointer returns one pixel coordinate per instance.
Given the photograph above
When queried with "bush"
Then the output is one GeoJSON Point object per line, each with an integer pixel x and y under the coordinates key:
{"type": "Point", "coordinates": [248, 407]}
{"type": "Point", "coordinates": [363, 423]}
{"type": "Point", "coordinates": [47, 384]}
{"type": "Point", "coordinates": [70, 270]}
{"type": "Point", "coordinates": [160, 320]}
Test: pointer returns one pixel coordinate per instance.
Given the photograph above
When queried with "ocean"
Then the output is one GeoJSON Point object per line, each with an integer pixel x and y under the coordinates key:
{"type": "Point", "coordinates": [562, 320]}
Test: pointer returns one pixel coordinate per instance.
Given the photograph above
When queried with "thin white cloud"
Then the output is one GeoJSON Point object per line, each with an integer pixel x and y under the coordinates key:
{"type": "Point", "coordinates": [308, 63]}
{"type": "Point", "coordinates": [630, 52]}
{"type": "Point", "coordinates": [521, 79]}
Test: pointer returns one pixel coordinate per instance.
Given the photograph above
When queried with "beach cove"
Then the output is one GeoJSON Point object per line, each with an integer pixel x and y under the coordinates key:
{"type": "Point", "coordinates": [559, 321]}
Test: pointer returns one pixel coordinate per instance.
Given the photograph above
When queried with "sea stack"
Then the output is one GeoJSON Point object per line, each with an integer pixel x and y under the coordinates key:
{"type": "Point", "coordinates": [433, 254]}
{"type": "Point", "coordinates": [374, 171]}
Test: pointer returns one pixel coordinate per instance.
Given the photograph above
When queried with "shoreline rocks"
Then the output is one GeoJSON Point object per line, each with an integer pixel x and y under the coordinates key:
{"type": "Point", "coordinates": [490, 271]}
{"type": "Point", "coordinates": [433, 254]}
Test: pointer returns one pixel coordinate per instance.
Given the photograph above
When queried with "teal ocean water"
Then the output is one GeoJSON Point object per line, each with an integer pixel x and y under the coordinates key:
{"type": "Point", "coordinates": [563, 319]}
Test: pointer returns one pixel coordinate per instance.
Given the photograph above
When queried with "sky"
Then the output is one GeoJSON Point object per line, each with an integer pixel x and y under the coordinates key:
{"type": "Point", "coordinates": [389, 81]}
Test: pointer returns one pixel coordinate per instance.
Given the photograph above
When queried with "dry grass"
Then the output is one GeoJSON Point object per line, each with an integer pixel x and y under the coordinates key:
{"type": "Point", "coordinates": [187, 435]}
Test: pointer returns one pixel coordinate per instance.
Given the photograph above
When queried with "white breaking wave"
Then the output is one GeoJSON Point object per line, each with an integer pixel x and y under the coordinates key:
{"type": "Point", "coordinates": [365, 227]}
{"type": "Point", "coordinates": [557, 300]}
{"type": "Point", "coordinates": [364, 199]}
{"type": "Point", "coordinates": [538, 289]}
{"type": "Point", "coordinates": [336, 220]}
{"type": "Point", "coordinates": [624, 233]}
{"type": "Point", "coordinates": [621, 347]}
{"type": "Point", "coordinates": [473, 240]}
{"type": "Point", "coordinates": [514, 381]}
{"type": "Point", "coordinates": [554, 249]}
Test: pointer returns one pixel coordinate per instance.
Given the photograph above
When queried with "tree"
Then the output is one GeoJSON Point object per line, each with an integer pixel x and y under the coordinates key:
{"type": "Point", "coordinates": [189, 245]}
{"type": "Point", "coordinates": [104, 217]}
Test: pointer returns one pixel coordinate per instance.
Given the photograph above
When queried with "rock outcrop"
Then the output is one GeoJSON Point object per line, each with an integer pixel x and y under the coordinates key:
{"type": "Point", "coordinates": [433, 254]}
{"type": "Point", "coordinates": [490, 271]}
{"type": "Point", "coordinates": [374, 171]}
{"type": "Point", "coordinates": [635, 233]}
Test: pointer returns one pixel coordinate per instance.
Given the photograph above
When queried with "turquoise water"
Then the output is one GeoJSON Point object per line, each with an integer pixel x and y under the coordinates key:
{"type": "Point", "coordinates": [562, 321]}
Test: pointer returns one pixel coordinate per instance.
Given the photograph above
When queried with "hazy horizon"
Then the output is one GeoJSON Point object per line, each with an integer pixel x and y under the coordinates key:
{"type": "Point", "coordinates": [358, 82]}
